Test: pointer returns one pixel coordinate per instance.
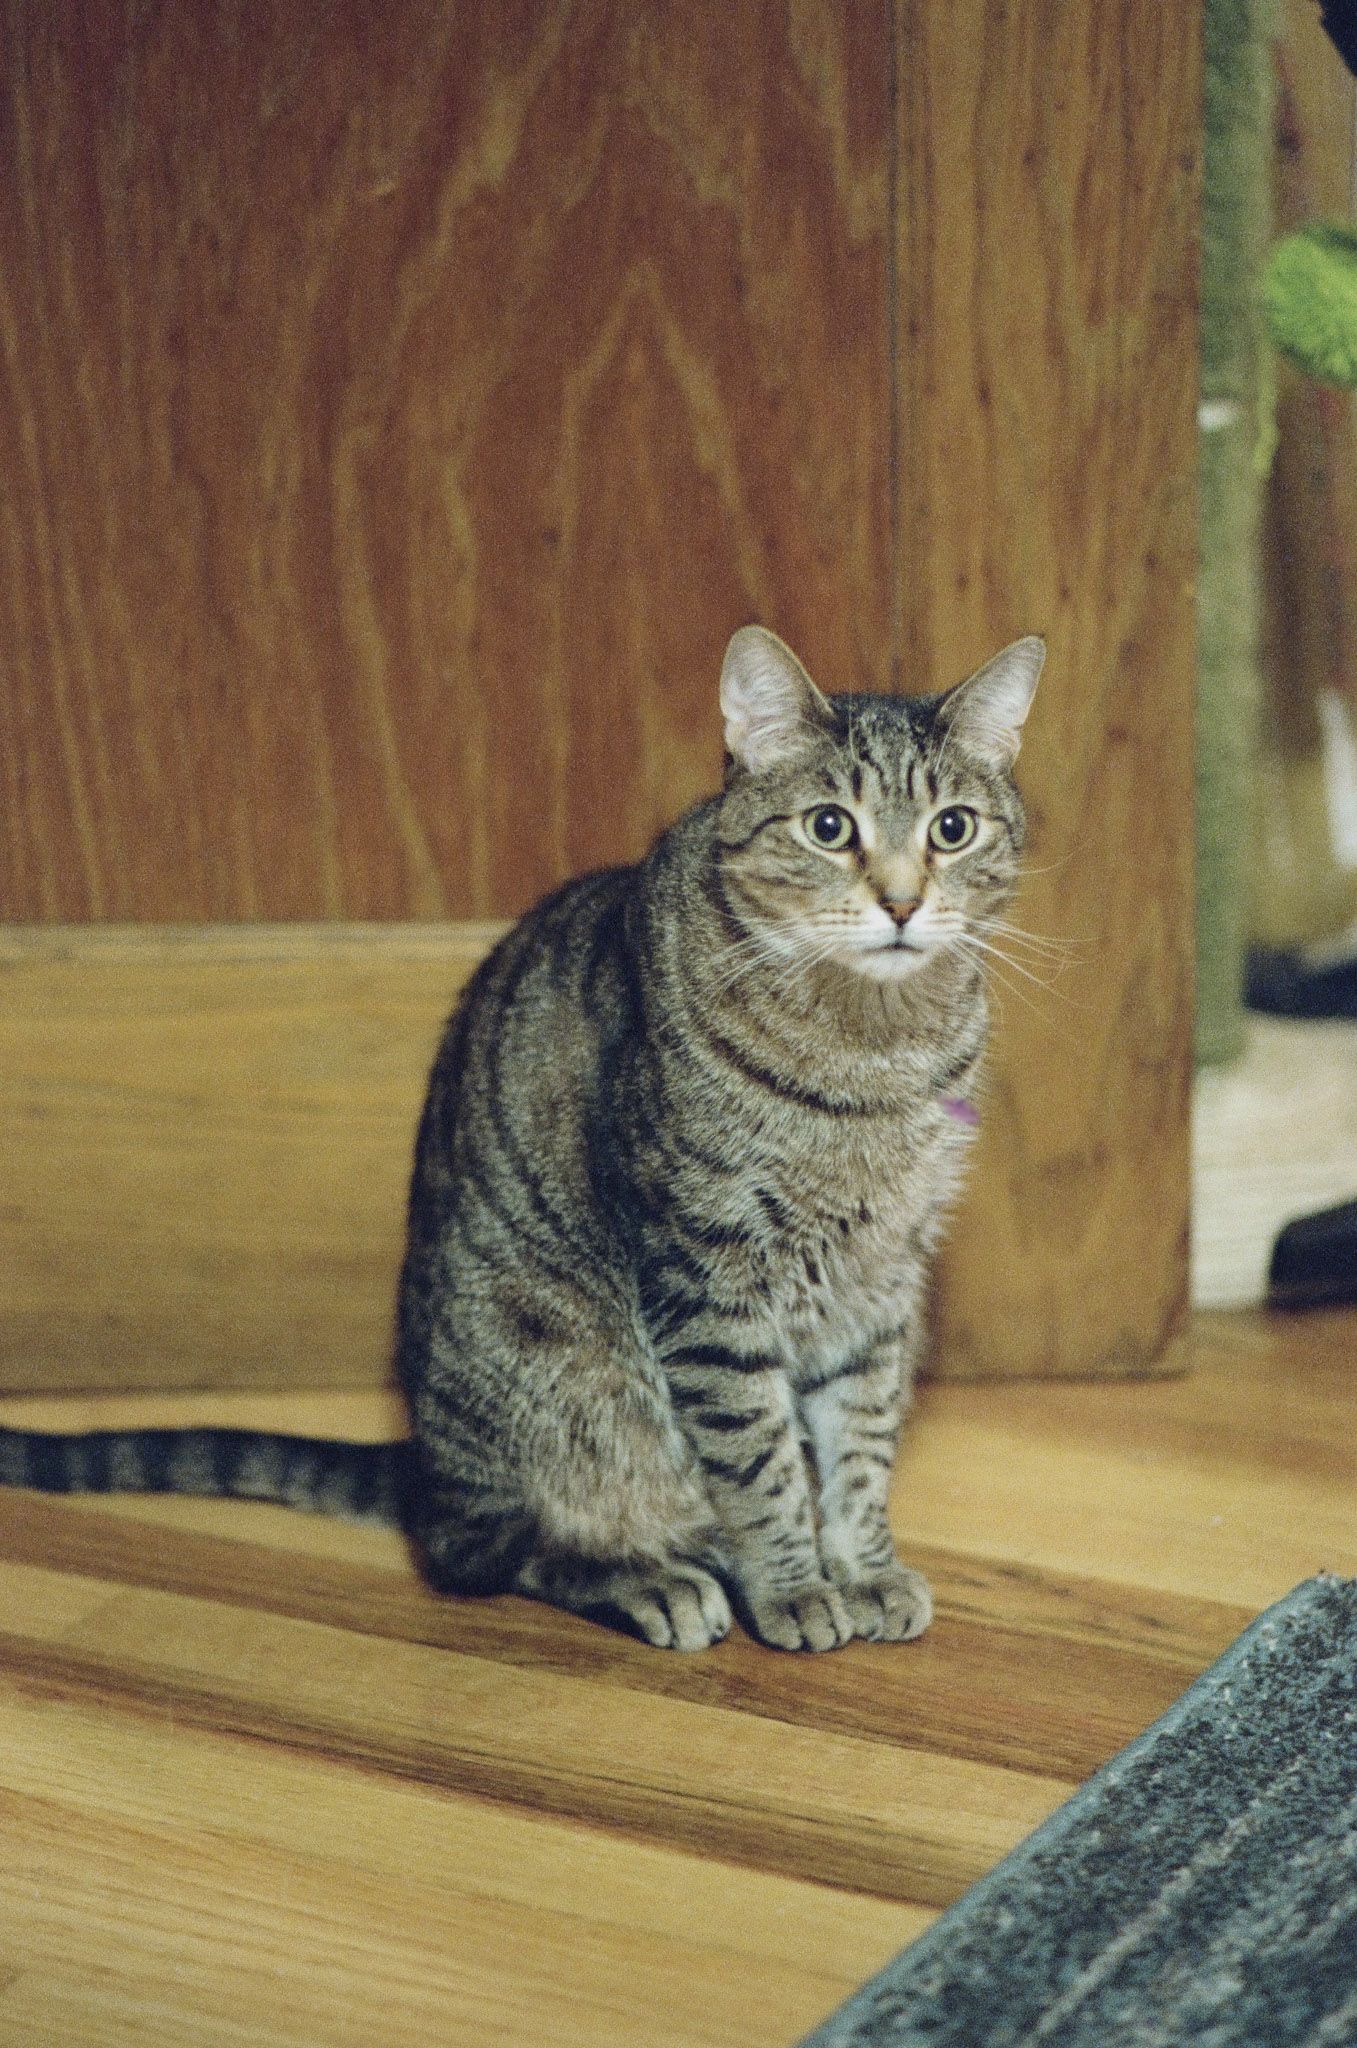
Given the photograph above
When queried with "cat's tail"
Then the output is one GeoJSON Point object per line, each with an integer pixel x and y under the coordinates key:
{"type": "Point", "coordinates": [358, 1482]}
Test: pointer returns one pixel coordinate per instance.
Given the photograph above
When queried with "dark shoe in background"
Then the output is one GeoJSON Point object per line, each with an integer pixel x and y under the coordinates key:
{"type": "Point", "coordinates": [1285, 985]}
{"type": "Point", "coordinates": [1314, 1261]}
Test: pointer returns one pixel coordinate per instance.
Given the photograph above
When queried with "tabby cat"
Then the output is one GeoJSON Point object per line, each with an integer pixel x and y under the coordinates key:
{"type": "Point", "coordinates": [687, 1150]}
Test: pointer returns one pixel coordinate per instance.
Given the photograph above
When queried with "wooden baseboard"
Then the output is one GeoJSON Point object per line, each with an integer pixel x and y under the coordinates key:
{"type": "Point", "coordinates": [206, 1134]}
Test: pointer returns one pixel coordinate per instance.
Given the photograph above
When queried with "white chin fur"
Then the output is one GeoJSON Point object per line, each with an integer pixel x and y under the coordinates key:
{"type": "Point", "coordinates": [887, 963]}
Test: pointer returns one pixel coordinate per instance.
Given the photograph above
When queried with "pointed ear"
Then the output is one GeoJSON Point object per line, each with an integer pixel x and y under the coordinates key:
{"type": "Point", "coordinates": [987, 711]}
{"type": "Point", "coordinates": [771, 707]}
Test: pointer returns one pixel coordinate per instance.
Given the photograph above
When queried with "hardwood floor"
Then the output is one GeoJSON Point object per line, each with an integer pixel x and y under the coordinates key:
{"type": "Point", "coordinates": [258, 1786]}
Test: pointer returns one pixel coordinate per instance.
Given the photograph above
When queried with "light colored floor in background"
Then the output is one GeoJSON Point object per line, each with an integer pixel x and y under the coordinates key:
{"type": "Point", "coordinates": [1274, 1137]}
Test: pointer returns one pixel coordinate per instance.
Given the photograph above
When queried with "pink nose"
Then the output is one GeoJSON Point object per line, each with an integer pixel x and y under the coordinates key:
{"type": "Point", "coordinates": [902, 910]}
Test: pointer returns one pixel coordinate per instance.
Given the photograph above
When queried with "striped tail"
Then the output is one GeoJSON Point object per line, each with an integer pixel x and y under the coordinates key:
{"type": "Point", "coordinates": [358, 1482]}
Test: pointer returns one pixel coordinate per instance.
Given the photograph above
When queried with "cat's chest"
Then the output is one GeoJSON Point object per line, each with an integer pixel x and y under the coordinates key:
{"type": "Point", "coordinates": [839, 1237]}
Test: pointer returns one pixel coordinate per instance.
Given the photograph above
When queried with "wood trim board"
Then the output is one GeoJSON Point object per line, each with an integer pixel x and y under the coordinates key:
{"type": "Point", "coordinates": [207, 1134]}
{"type": "Point", "coordinates": [207, 1131]}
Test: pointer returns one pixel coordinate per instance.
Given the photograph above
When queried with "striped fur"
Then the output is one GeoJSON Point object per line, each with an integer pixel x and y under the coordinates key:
{"type": "Point", "coordinates": [686, 1154]}
{"type": "Point", "coordinates": [360, 1482]}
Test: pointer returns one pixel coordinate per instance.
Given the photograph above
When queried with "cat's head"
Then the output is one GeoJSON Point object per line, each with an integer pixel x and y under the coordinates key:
{"type": "Point", "coordinates": [874, 831]}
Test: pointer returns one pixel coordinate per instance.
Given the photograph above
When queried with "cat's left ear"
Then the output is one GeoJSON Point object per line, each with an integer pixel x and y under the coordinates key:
{"type": "Point", "coordinates": [987, 711]}
{"type": "Point", "coordinates": [772, 709]}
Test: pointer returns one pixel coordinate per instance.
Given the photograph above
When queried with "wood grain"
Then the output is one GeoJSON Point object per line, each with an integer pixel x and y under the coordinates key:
{"type": "Point", "coordinates": [1047, 329]}
{"type": "Point", "coordinates": [398, 426]}
{"type": "Point", "coordinates": [1232, 1483]}
{"type": "Point", "coordinates": [175, 1885]}
{"type": "Point", "coordinates": [830, 1807]}
{"type": "Point", "coordinates": [396, 422]}
{"type": "Point", "coordinates": [207, 1135]}
{"type": "Point", "coordinates": [1031, 1674]}
{"type": "Point", "coordinates": [318, 1879]}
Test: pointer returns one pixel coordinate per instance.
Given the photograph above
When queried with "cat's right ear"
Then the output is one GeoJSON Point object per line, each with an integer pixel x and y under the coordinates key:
{"type": "Point", "coordinates": [987, 712]}
{"type": "Point", "coordinates": [772, 709]}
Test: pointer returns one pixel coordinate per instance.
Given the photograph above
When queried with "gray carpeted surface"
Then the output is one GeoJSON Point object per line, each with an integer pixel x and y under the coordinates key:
{"type": "Point", "coordinates": [1201, 1888]}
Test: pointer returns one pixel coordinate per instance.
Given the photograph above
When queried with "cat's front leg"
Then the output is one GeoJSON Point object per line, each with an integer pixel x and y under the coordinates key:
{"type": "Point", "coordinates": [737, 1413]}
{"type": "Point", "coordinates": [853, 1422]}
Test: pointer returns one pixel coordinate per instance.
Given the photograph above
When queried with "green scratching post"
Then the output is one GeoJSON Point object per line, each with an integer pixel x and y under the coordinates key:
{"type": "Point", "coordinates": [1310, 300]}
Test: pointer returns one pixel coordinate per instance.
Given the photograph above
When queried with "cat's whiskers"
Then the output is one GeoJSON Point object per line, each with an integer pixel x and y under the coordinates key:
{"type": "Point", "coordinates": [831, 939]}
{"type": "Point", "coordinates": [825, 946]}
{"type": "Point", "coordinates": [741, 957]}
{"type": "Point", "coordinates": [981, 945]}
{"type": "Point", "coordinates": [761, 947]}
{"type": "Point", "coordinates": [995, 975]}
{"type": "Point", "coordinates": [1001, 923]}
{"type": "Point", "coordinates": [989, 957]}
{"type": "Point", "coordinates": [1051, 867]}
{"type": "Point", "coordinates": [589, 1145]}
{"type": "Point", "coordinates": [1058, 953]}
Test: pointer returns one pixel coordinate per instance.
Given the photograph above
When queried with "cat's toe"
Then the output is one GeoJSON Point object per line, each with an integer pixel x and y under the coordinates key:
{"type": "Point", "coordinates": [891, 1609]}
{"type": "Point", "coordinates": [813, 1618]}
{"type": "Point", "coordinates": [700, 1613]}
{"type": "Point", "coordinates": [677, 1612]}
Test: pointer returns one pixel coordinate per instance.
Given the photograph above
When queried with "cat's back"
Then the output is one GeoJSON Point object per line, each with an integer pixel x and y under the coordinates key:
{"type": "Point", "coordinates": [542, 1018]}
{"type": "Point", "coordinates": [526, 1038]}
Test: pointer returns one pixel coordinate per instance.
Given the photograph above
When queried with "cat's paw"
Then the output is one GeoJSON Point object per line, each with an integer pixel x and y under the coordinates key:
{"type": "Point", "coordinates": [892, 1607]}
{"type": "Point", "coordinates": [674, 1610]}
{"type": "Point", "coordinates": [814, 1617]}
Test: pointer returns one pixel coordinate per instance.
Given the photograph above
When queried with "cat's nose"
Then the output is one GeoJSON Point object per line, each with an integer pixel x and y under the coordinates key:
{"type": "Point", "coordinates": [901, 908]}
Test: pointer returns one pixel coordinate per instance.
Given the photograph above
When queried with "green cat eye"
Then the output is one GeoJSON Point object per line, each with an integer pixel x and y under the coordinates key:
{"type": "Point", "coordinates": [953, 828]}
{"type": "Point", "coordinates": [830, 827]}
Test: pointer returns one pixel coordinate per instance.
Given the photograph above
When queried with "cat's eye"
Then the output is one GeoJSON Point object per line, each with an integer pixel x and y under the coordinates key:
{"type": "Point", "coordinates": [953, 828]}
{"type": "Point", "coordinates": [830, 827]}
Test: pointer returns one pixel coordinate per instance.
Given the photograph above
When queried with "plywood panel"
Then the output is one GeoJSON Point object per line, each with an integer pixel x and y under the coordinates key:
{"type": "Point", "coordinates": [398, 423]}
{"type": "Point", "coordinates": [1047, 262]}
{"type": "Point", "coordinates": [396, 418]}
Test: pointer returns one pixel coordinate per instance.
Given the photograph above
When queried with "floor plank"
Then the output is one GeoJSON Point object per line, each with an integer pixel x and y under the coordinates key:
{"type": "Point", "coordinates": [1032, 1672]}
{"type": "Point", "coordinates": [1230, 1484]}
{"type": "Point", "coordinates": [166, 1884]}
{"type": "Point", "coordinates": [814, 1803]}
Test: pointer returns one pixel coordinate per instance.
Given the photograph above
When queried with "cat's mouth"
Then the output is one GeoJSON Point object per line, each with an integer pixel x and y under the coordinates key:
{"type": "Point", "coordinates": [890, 958]}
